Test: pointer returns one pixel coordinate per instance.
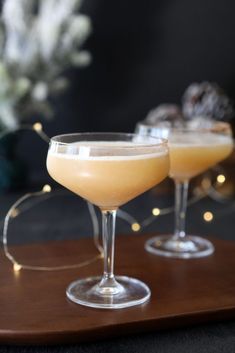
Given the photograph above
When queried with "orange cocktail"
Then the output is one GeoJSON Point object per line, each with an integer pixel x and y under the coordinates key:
{"type": "Point", "coordinates": [191, 155]}
{"type": "Point", "coordinates": [109, 180]}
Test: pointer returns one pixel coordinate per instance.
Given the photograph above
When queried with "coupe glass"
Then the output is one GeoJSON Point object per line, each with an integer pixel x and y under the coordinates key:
{"type": "Point", "coordinates": [108, 169]}
{"type": "Point", "coordinates": [192, 151]}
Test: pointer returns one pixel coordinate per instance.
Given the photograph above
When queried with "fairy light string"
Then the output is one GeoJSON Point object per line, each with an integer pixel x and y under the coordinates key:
{"type": "Point", "coordinates": [14, 212]}
{"type": "Point", "coordinates": [206, 189]}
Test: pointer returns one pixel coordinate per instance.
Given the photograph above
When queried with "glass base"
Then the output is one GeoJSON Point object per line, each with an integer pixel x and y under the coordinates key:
{"type": "Point", "coordinates": [190, 247]}
{"type": "Point", "coordinates": [87, 292]}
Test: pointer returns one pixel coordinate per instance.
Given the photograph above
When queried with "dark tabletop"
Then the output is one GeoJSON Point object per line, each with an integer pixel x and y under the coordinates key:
{"type": "Point", "coordinates": [64, 215]}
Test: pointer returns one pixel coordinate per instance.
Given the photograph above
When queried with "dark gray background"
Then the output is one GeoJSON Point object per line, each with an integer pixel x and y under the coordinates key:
{"type": "Point", "coordinates": [144, 53]}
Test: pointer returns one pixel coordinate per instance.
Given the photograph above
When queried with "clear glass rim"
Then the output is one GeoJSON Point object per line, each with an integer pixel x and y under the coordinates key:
{"type": "Point", "coordinates": [143, 124]}
{"type": "Point", "coordinates": [153, 140]}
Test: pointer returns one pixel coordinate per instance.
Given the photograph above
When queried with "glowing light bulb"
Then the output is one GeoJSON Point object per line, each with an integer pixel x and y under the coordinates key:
{"type": "Point", "coordinates": [46, 188]}
{"type": "Point", "coordinates": [221, 179]}
{"type": "Point", "coordinates": [208, 216]}
{"type": "Point", "coordinates": [135, 227]}
{"type": "Point", "coordinates": [37, 127]}
{"type": "Point", "coordinates": [156, 211]}
{"type": "Point", "coordinates": [14, 212]}
{"type": "Point", "coordinates": [17, 267]}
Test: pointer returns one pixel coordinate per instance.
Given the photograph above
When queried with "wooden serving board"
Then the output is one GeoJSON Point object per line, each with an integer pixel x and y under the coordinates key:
{"type": "Point", "coordinates": [35, 310]}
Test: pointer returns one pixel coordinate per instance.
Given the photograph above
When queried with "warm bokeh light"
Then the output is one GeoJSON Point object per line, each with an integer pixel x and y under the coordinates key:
{"type": "Point", "coordinates": [206, 183]}
{"type": "Point", "coordinates": [208, 216]}
{"type": "Point", "coordinates": [135, 227]}
{"type": "Point", "coordinates": [156, 211]}
{"type": "Point", "coordinates": [37, 127]}
{"type": "Point", "coordinates": [17, 267]}
{"type": "Point", "coordinates": [14, 212]}
{"type": "Point", "coordinates": [221, 178]}
{"type": "Point", "coordinates": [46, 188]}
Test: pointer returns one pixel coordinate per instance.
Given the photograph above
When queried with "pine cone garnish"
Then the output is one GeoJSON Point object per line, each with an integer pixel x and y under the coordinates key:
{"type": "Point", "coordinates": [167, 114]}
{"type": "Point", "coordinates": [208, 100]}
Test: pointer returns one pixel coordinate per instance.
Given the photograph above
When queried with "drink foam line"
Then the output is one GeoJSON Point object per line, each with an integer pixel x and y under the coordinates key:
{"type": "Point", "coordinates": [81, 156]}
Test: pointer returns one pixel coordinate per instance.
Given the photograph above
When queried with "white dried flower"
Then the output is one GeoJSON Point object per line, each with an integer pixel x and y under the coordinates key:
{"type": "Point", "coordinates": [39, 39]}
{"type": "Point", "coordinates": [40, 91]}
{"type": "Point", "coordinates": [7, 115]}
{"type": "Point", "coordinates": [22, 86]}
{"type": "Point", "coordinates": [81, 58]}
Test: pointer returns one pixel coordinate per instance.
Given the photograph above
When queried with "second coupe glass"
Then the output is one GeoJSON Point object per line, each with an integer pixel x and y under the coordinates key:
{"type": "Point", "coordinates": [192, 151]}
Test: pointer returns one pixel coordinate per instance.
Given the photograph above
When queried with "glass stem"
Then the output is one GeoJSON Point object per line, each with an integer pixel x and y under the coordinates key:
{"type": "Point", "coordinates": [181, 195]}
{"type": "Point", "coordinates": [108, 285]}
